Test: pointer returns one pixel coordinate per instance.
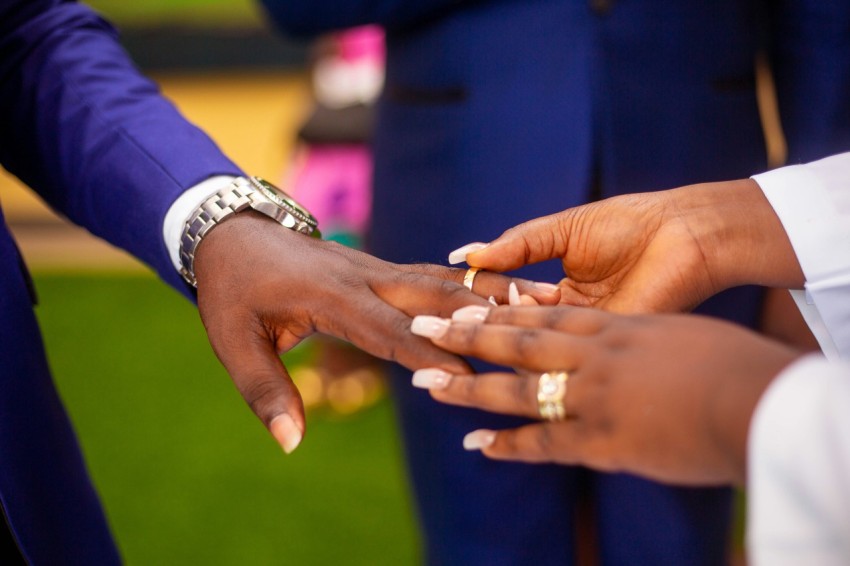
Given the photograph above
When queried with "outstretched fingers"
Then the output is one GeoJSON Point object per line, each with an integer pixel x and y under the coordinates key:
{"type": "Point", "coordinates": [535, 443]}
{"type": "Point", "coordinates": [536, 349]}
{"type": "Point", "coordinates": [504, 393]}
{"type": "Point", "coordinates": [572, 320]}
{"type": "Point", "coordinates": [486, 284]}
{"type": "Point", "coordinates": [381, 329]}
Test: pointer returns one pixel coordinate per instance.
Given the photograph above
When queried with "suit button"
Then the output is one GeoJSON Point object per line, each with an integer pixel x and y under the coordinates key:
{"type": "Point", "coordinates": [601, 7]}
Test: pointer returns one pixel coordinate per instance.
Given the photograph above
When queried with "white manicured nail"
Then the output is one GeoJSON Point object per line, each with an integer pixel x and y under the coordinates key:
{"type": "Point", "coordinates": [513, 295]}
{"type": "Point", "coordinates": [459, 255]}
{"type": "Point", "coordinates": [430, 326]}
{"type": "Point", "coordinates": [478, 439]}
{"type": "Point", "coordinates": [472, 313]}
{"type": "Point", "coordinates": [286, 432]}
{"type": "Point", "coordinates": [431, 378]}
{"type": "Point", "coordinates": [492, 301]}
{"type": "Point", "coordinates": [548, 287]}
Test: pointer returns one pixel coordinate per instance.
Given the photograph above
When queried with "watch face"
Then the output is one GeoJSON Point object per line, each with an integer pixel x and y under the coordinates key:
{"type": "Point", "coordinates": [286, 202]}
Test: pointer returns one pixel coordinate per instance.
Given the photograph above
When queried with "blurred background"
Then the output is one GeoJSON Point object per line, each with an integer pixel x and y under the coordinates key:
{"type": "Point", "coordinates": [185, 471]}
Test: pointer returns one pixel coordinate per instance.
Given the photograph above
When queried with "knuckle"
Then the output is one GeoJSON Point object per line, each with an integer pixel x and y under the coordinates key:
{"type": "Point", "coordinates": [452, 289]}
{"type": "Point", "coordinates": [500, 315]}
{"type": "Point", "coordinates": [231, 329]}
{"type": "Point", "coordinates": [543, 439]}
{"type": "Point", "coordinates": [419, 269]}
{"type": "Point", "coordinates": [390, 349]}
{"type": "Point", "coordinates": [554, 317]}
{"type": "Point", "coordinates": [444, 273]}
{"type": "Point", "coordinates": [349, 280]}
{"type": "Point", "coordinates": [508, 441]}
{"type": "Point", "coordinates": [399, 326]}
{"type": "Point", "coordinates": [605, 425]}
{"type": "Point", "coordinates": [468, 334]}
{"type": "Point", "coordinates": [461, 337]}
{"type": "Point", "coordinates": [383, 341]}
{"type": "Point", "coordinates": [613, 336]}
{"type": "Point", "coordinates": [524, 391]}
{"type": "Point", "coordinates": [526, 342]}
{"type": "Point", "coordinates": [513, 232]}
{"type": "Point", "coordinates": [468, 388]}
{"type": "Point", "coordinates": [407, 278]}
{"type": "Point", "coordinates": [260, 394]}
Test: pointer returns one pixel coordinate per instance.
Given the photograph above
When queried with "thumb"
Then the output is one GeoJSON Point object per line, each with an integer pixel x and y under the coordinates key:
{"type": "Point", "coordinates": [534, 241]}
{"type": "Point", "coordinates": [251, 360]}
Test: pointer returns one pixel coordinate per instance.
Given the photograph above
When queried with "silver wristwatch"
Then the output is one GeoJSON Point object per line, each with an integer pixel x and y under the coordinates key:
{"type": "Point", "coordinates": [242, 193]}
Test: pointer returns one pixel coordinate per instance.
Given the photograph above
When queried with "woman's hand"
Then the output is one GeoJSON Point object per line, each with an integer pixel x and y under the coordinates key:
{"type": "Point", "coordinates": [668, 397]}
{"type": "Point", "coordinates": [666, 251]}
{"type": "Point", "coordinates": [263, 288]}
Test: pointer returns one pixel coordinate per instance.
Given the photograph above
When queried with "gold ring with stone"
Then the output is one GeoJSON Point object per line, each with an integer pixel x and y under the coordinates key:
{"type": "Point", "coordinates": [469, 278]}
{"type": "Point", "coordinates": [551, 390]}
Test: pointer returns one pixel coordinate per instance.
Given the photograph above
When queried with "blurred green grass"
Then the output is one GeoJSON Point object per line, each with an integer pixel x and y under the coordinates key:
{"type": "Point", "coordinates": [183, 12]}
{"type": "Point", "coordinates": [187, 474]}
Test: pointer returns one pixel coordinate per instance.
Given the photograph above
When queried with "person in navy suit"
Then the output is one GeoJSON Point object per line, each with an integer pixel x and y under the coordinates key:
{"type": "Point", "coordinates": [97, 141]}
{"type": "Point", "coordinates": [495, 112]}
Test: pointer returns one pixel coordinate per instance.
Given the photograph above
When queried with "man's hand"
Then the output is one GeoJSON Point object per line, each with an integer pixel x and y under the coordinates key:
{"type": "Point", "coordinates": [668, 397]}
{"type": "Point", "coordinates": [666, 251]}
{"type": "Point", "coordinates": [263, 288]}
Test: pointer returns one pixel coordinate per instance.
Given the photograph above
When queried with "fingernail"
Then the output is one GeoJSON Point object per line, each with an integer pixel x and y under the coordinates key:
{"type": "Point", "coordinates": [431, 378]}
{"type": "Point", "coordinates": [478, 439]}
{"type": "Point", "coordinates": [472, 313]}
{"type": "Point", "coordinates": [285, 431]}
{"type": "Point", "coordinates": [430, 326]}
{"type": "Point", "coordinates": [513, 295]}
{"type": "Point", "coordinates": [548, 287]}
{"type": "Point", "coordinates": [459, 255]}
{"type": "Point", "coordinates": [492, 301]}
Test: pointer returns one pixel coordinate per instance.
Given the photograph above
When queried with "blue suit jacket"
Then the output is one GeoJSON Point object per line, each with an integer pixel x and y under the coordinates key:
{"type": "Point", "coordinates": [495, 112]}
{"type": "Point", "coordinates": [97, 141]}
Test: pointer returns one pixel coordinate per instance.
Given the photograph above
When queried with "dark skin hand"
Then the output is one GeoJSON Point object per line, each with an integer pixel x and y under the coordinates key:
{"type": "Point", "coordinates": [665, 251]}
{"type": "Point", "coordinates": [668, 397]}
{"type": "Point", "coordinates": [263, 288]}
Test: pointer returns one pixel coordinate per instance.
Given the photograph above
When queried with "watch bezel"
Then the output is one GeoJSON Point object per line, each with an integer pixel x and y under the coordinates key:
{"type": "Point", "coordinates": [279, 197]}
{"type": "Point", "coordinates": [305, 222]}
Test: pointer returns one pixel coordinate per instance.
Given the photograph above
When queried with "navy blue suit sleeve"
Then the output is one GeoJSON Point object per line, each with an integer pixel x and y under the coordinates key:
{"type": "Point", "coordinates": [95, 138]}
{"type": "Point", "coordinates": [312, 17]}
{"type": "Point", "coordinates": [811, 63]}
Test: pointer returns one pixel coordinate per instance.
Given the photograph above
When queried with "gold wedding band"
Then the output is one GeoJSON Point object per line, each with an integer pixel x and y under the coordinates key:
{"type": "Point", "coordinates": [551, 390]}
{"type": "Point", "coordinates": [469, 278]}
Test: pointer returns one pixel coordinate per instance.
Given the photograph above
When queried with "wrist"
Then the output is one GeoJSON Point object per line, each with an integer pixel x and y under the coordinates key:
{"type": "Point", "coordinates": [182, 208]}
{"type": "Point", "coordinates": [241, 195]}
{"type": "Point", "coordinates": [738, 232]}
{"type": "Point", "coordinates": [229, 246]}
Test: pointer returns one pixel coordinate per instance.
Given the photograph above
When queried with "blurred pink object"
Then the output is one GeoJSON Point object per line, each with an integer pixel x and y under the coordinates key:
{"type": "Point", "coordinates": [362, 43]}
{"type": "Point", "coordinates": [330, 175]}
{"type": "Point", "coordinates": [334, 182]}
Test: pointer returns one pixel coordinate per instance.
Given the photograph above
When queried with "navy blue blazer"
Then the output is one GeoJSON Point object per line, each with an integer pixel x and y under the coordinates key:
{"type": "Point", "coordinates": [511, 109]}
{"type": "Point", "coordinates": [495, 112]}
{"type": "Point", "coordinates": [95, 139]}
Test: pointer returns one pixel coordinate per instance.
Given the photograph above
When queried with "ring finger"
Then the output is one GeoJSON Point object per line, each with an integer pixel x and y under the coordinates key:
{"type": "Point", "coordinates": [504, 393]}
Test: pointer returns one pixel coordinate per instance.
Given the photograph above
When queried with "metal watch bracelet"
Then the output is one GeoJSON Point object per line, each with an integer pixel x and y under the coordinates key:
{"type": "Point", "coordinates": [223, 204]}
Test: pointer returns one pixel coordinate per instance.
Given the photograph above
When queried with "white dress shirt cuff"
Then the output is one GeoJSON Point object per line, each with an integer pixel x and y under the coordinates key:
{"type": "Point", "coordinates": [813, 204]}
{"type": "Point", "coordinates": [183, 207]}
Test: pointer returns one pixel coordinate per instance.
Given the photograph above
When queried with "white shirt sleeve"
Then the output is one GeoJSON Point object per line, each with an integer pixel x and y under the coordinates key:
{"type": "Point", "coordinates": [799, 468]}
{"type": "Point", "coordinates": [182, 208]}
{"type": "Point", "coordinates": [813, 204]}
